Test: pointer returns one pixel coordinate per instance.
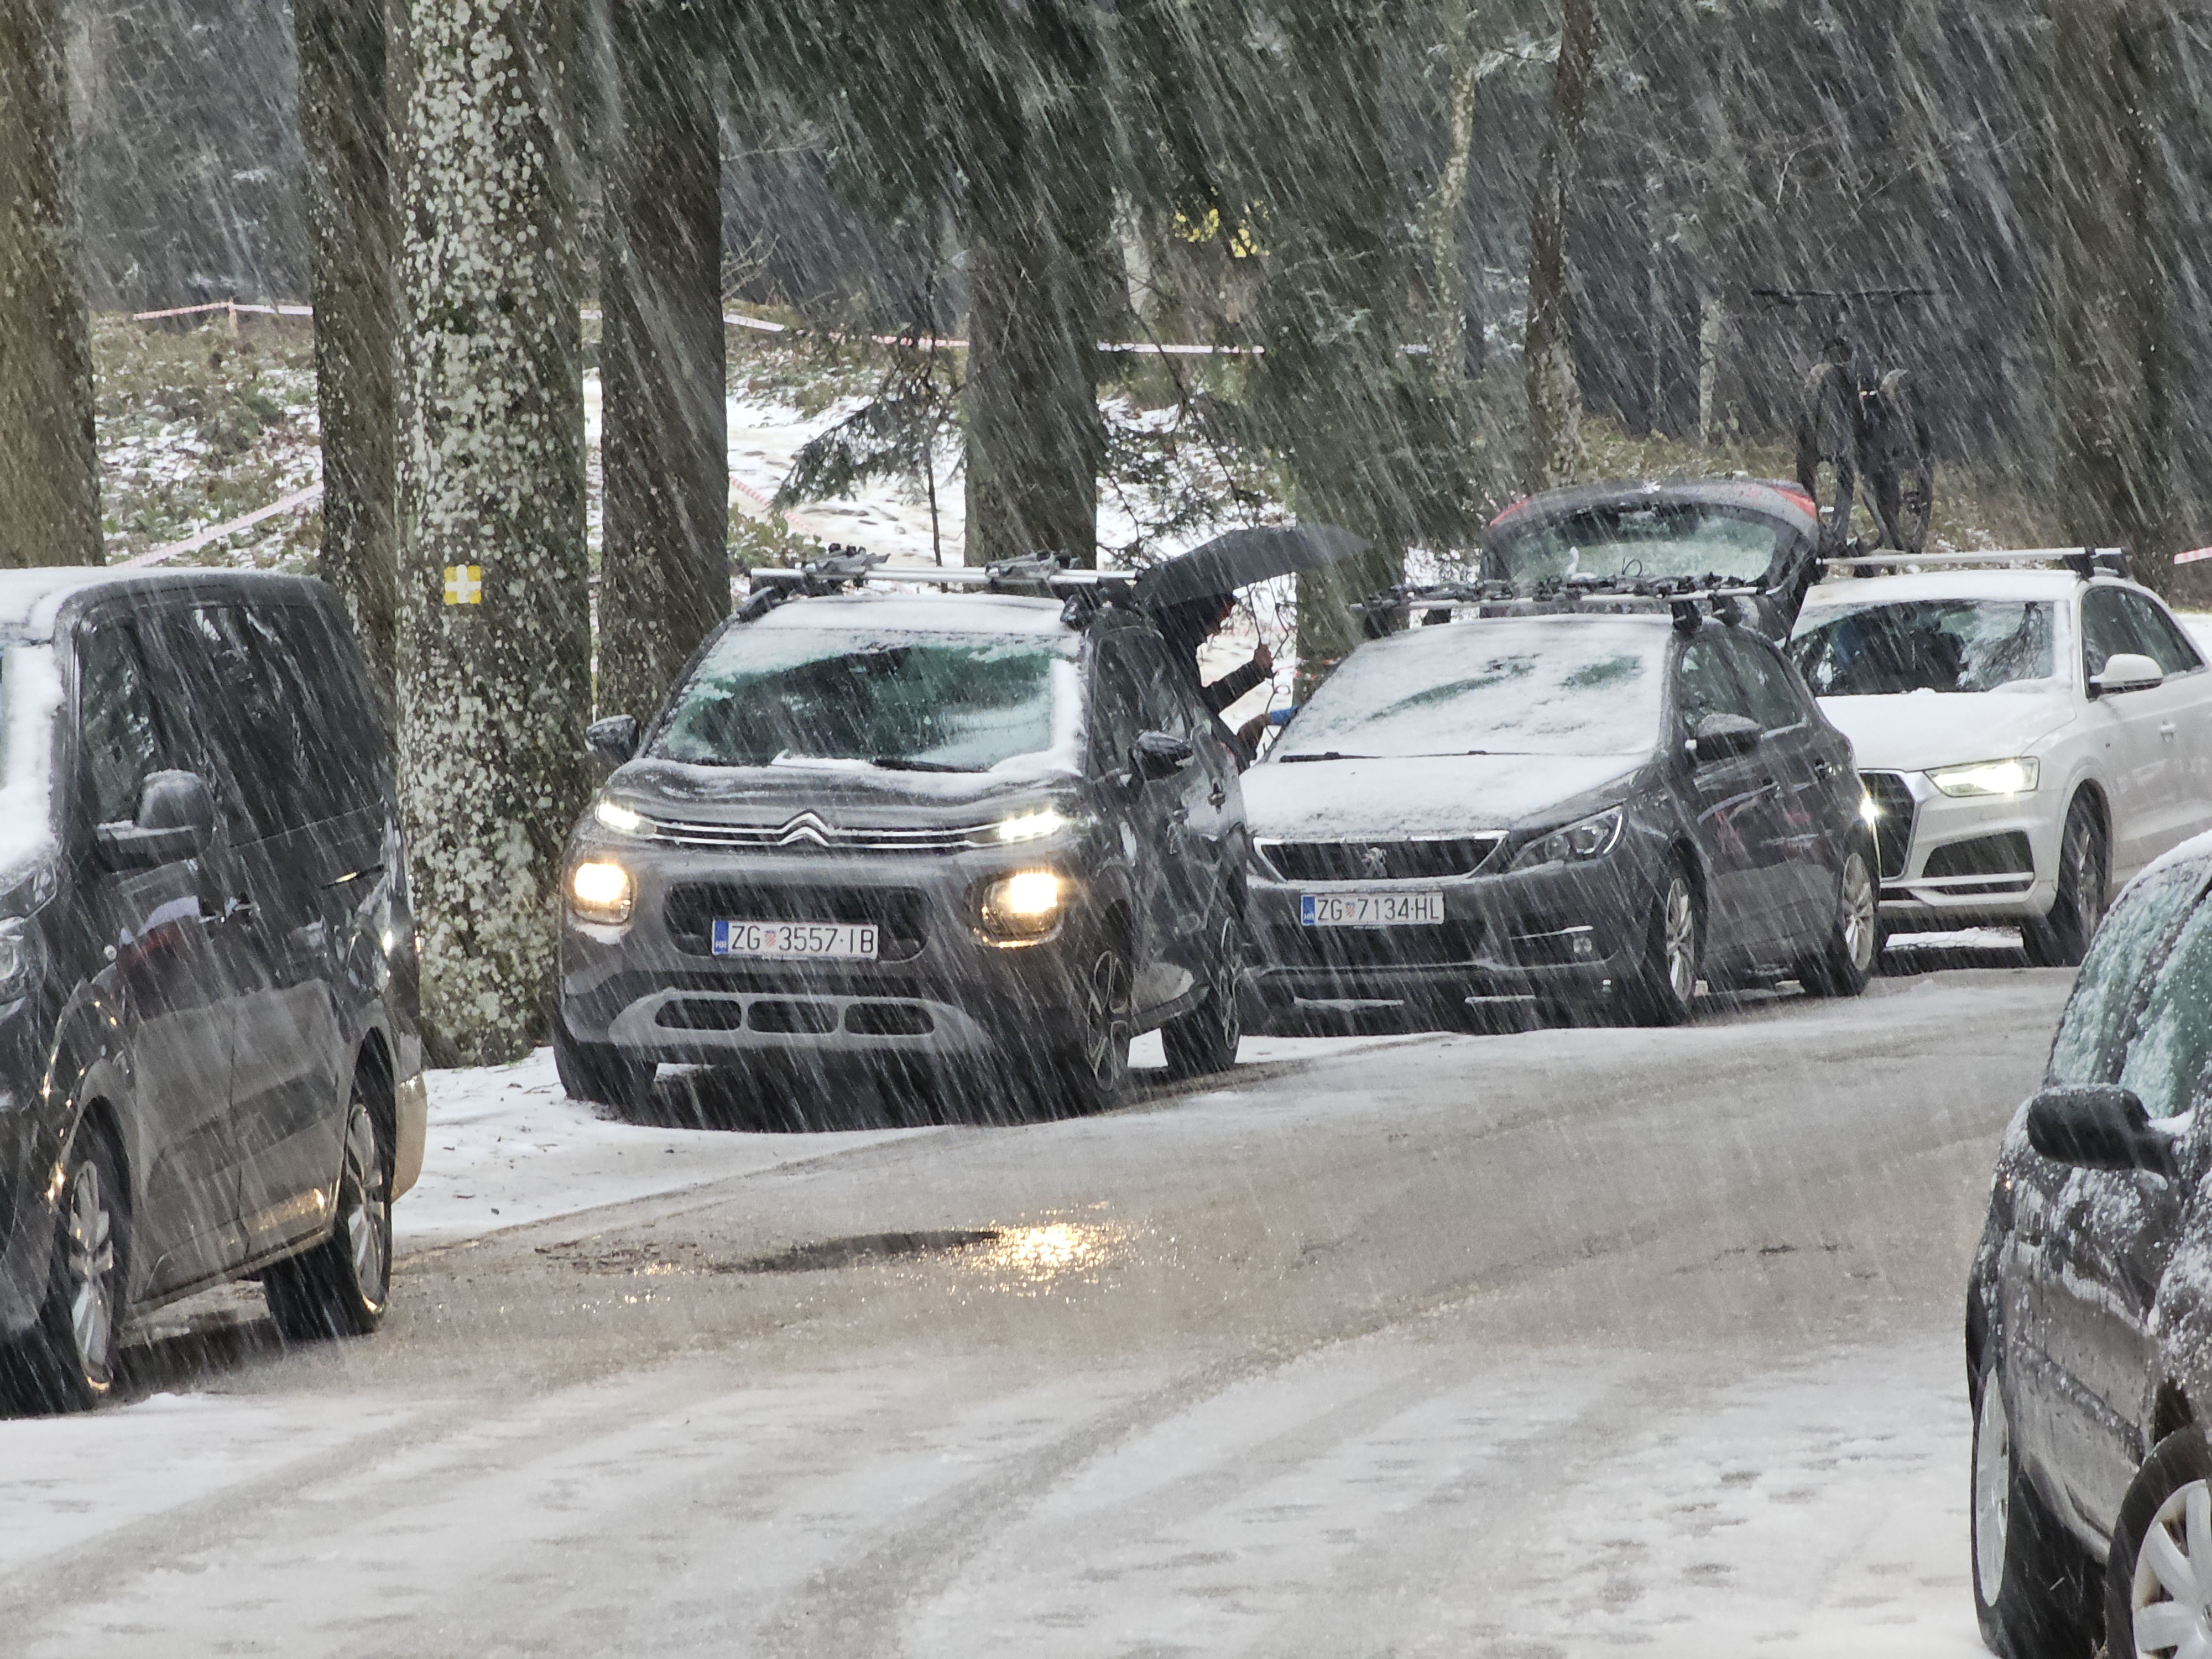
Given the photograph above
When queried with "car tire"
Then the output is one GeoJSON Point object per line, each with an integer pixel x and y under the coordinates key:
{"type": "Point", "coordinates": [69, 1359]}
{"type": "Point", "coordinates": [1204, 1041]}
{"type": "Point", "coordinates": [1661, 989]}
{"type": "Point", "coordinates": [343, 1286]}
{"type": "Point", "coordinates": [1847, 962]}
{"type": "Point", "coordinates": [2167, 1516]}
{"type": "Point", "coordinates": [2031, 1588]}
{"type": "Point", "coordinates": [1091, 1074]}
{"type": "Point", "coordinates": [599, 1073]}
{"type": "Point", "coordinates": [2062, 938]}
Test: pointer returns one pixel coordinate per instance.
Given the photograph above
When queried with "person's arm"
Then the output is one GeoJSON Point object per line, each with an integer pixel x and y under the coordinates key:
{"type": "Point", "coordinates": [1237, 681]}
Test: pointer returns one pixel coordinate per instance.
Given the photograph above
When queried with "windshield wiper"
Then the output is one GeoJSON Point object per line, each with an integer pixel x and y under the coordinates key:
{"type": "Point", "coordinates": [903, 763]}
{"type": "Point", "coordinates": [1292, 760]}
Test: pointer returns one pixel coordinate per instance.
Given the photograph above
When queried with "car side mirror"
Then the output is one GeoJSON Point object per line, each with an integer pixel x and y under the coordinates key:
{"type": "Point", "coordinates": [1719, 737]}
{"type": "Point", "coordinates": [1158, 754]}
{"type": "Point", "coordinates": [2127, 670]}
{"type": "Point", "coordinates": [613, 740]}
{"type": "Point", "coordinates": [176, 818]}
{"type": "Point", "coordinates": [2097, 1126]}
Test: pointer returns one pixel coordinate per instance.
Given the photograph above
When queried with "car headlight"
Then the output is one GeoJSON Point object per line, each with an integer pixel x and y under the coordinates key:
{"type": "Point", "coordinates": [2000, 777]}
{"type": "Point", "coordinates": [1590, 838]}
{"type": "Point", "coordinates": [601, 891]}
{"type": "Point", "coordinates": [613, 815]}
{"type": "Point", "coordinates": [1038, 824]}
{"type": "Point", "coordinates": [1025, 905]}
{"type": "Point", "coordinates": [17, 956]}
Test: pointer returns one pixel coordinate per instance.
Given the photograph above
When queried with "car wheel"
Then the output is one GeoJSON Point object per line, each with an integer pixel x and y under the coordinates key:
{"type": "Point", "coordinates": [2029, 1584]}
{"type": "Point", "coordinates": [343, 1286]}
{"type": "Point", "coordinates": [600, 1073]}
{"type": "Point", "coordinates": [1844, 966]}
{"type": "Point", "coordinates": [2158, 1577]}
{"type": "Point", "coordinates": [1093, 1073]}
{"type": "Point", "coordinates": [2062, 938]}
{"type": "Point", "coordinates": [67, 1361]}
{"type": "Point", "coordinates": [1204, 1041]}
{"type": "Point", "coordinates": [1662, 989]}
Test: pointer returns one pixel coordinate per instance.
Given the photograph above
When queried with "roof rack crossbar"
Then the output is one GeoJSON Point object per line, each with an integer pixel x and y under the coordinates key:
{"type": "Point", "coordinates": [1037, 575]}
{"type": "Point", "coordinates": [2083, 560]}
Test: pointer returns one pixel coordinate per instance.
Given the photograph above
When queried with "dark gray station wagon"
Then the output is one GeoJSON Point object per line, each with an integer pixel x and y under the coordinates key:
{"type": "Point", "coordinates": [209, 1061]}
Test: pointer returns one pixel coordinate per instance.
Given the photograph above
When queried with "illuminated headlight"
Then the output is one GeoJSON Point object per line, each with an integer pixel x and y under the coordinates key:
{"type": "Point", "coordinates": [15, 957]}
{"type": "Point", "coordinates": [613, 815]}
{"type": "Point", "coordinates": [1870, 809]}
{"type": "Point", "coordinates": [1025, 905]}
{"type": "Point", "coordinates": [600, 891]}
{"type": "Point", "coordinates": [1591, 838]}
{"type": "Point", "coordinates": [2003, 777]}
{"type": "Point", "coordinates": [1044, 822]}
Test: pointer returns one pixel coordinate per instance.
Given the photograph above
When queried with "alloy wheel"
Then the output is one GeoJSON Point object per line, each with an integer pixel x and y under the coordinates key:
{"type": "Point", "coordinates": [88, 1260]}
{"type": "Point", "coordinates": [1106, 1020]}
{"type": "Point", "coordinates": [367, 1214]}
{"type": "Point", "coordinates": [1679, 942]}
{"type": "Point", "coordinates": [2173, 1577]}
{"type": "Point", "coordinates": [1992, 1491]}
{"type": "Point", "coordinates": [1859, 908]}
{"type": "Point", "coordinates": [2088, 873]}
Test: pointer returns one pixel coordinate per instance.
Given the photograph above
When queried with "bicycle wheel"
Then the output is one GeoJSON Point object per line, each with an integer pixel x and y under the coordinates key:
{"type": "Point", "coordinates": [1827, 450]}
{"type": "Point", "coordinates": [1900, 463]}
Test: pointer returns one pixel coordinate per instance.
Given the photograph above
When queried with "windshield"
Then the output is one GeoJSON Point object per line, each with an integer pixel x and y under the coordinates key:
{"type": "Point", "coordinates": [1927, 645]}
{"type": "Point", "coordinates": [1572, 686]}
{"type": "Point", "coordinates": [1635, 540]}
{"type": "Point", "coordinates": [932, 703]}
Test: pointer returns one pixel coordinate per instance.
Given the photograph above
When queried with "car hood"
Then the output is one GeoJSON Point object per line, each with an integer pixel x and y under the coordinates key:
{"type": "Point", "coordinates": [842, 796]}
{"type": "Point", "coordinates": [1922, 729]}
{"type": "Point", "coordinates": [1429, 794]}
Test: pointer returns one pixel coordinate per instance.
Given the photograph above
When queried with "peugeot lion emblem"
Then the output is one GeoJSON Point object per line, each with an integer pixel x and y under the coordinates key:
{"type": "Point", "coordinates": [1377, 862]}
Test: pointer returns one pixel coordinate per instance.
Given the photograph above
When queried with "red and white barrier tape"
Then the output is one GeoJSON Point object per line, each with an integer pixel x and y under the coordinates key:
{"type": "Point", "coordinates": [199, 538]}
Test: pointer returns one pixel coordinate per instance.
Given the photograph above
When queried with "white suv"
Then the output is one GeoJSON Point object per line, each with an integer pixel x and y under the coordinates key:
{"type": "Point", "coordinates": [2028, 739]}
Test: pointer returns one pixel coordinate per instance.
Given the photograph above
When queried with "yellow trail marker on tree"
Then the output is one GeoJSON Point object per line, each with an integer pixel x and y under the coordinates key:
{"type": "Point", "coordinates": [463, 584]}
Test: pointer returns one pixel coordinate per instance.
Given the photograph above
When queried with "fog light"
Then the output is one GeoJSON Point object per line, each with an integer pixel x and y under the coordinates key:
{"type": "Point", "coordinates": [1023, 906]}
{"type": "Point", "coordinates": [600, 891]}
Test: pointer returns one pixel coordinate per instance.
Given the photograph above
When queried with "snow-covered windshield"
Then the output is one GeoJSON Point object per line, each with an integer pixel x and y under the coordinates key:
{"type": "Point", "coordinates": [2104, 992]}
{"type": "Point", "coordinates": [1567, 685]}
{"type": "Point", "coordinates": [1926, 645]}
{"type": "Point", "coordinates": [921, 703]}
{"type": "Point", "coordinates": [1635, 541]}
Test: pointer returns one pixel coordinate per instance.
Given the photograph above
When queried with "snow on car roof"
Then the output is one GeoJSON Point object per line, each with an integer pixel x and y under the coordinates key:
{"type": "Point", "coordinates": [921, 613]}
{"type": "Point", "coordinates": [30, 601]}
{"type": "Point", "coordinates": [1855, 593]}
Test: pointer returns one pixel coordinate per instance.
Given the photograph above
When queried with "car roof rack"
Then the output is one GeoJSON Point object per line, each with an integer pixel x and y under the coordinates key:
{"type": "Point", "coordinates": [2084, 562]}
{"type": "Point", "coordinates": [1682, 596]}
{"type": "Point", "coordinates": [1034, 575]}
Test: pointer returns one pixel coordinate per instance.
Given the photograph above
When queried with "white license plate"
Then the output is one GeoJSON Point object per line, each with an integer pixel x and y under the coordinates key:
{"type": "Point", "coordinates": [1424, 907]}
{"type": "Point", "coordinates": [848, 940]}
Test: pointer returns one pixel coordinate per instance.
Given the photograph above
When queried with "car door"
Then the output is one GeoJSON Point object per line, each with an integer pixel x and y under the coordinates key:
{"type": "Point", "coordinates": [1198, 817]}
{"type": "Point", "coordinates": [254, 713]}
{"type": "Point", "coordinates": [1811, 767]}
{"type": "Point", "coordinates": [1732, 810]}
{"type": "Point", "coordinates": [168, 961]}
{"type": "Point", "coordinates": [2185, 729]}
{"type": "Point", "coordinates": [2139, 732]}
{"type": "Point", "coordinates": [1143, 815]}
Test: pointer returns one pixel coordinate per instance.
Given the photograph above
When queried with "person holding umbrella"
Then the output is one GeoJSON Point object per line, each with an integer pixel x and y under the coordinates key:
{"type": "Point", "coordinates": [1188, 624]}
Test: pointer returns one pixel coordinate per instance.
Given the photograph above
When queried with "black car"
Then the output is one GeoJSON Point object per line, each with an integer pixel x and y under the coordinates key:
{"type": "Point", "coordinates": [208, 1059]}
{"type": "Point", "coordinates": [2089, 1311]}
{"type": "Point", "coordinates": [977, 836]}
{"type": "Point", "coordinates": [1748, 531]}
{"type": "Point", "coordinates": [1593, 811]}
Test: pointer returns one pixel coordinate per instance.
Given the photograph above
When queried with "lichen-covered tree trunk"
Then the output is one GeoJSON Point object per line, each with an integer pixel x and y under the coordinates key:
{"type": "Point", "coordinates": [1548, 349]}
{"type": "Point", "coordinates": [2106, 88]}
{"type": "Point", "coordinates": [664, 563]}
{"type": "Point", "coordinates": [493, 693]}
{"type": "Point", "coordinates": [1448, 352]}
{"type": "Point", "coordinates": [1035, 442]}
{"type": "Point", "coordinates": [345, 123]}
{"type": "Point", "coordinates": [48, 467]}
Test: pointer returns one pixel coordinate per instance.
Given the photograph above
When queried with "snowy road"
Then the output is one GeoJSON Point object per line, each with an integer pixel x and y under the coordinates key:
{"type": "Point", "coordinates": [1465, 1346]}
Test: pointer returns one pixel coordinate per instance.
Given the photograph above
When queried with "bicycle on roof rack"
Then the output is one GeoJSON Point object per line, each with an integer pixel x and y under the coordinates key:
{"type": "Point", "coordinates": [1862, 431]}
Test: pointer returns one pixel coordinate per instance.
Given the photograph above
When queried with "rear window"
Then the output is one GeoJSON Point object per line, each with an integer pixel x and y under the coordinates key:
{"type": "Point", "coordinates": [1926, 645]}
{"type": "Point", "coordinates": [1632, 541]}
{"type": "Point", "coordinates": [2106, 992]}
{"type": "Point", "coordinates": [1495, 686]}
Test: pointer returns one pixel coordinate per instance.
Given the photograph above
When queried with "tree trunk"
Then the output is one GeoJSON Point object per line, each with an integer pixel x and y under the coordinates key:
{"type": "Point", "coordinates": [1035, 442]}
{"type": "Point", "coordinates": [664, 564]}
{"type": "Point", "coordinates": [493, 695]}
{"type": "Point", "coordinates": [345, 122]}
{"type": "Point", "coordinates": [2107, 83]}
{"type": "Point", "coordinates": [49, 463]}
{"type": "Point", "coordinates": [1548, 354]}
{"type": "Point", "coordinates": [1449, 358]}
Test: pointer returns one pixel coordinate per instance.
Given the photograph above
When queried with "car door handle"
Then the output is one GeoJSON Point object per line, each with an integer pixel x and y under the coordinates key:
{"type": "Point", "coordinates": [1217, 796]}
{"type": "Point", "coordinates": [241, 908]}
{"type": "Point", "coordinates": [2166, 730]}
{"type": "Point", "coordinates": [1824, 768]}
{"type": "Point", "coordinates": [1180, 814]}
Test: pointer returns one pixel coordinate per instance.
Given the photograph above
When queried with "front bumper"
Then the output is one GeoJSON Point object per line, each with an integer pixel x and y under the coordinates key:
{"type": "Point", "coordinates": [1564, 932]}
{"type": "Point", "coordinates": [1964, 861]}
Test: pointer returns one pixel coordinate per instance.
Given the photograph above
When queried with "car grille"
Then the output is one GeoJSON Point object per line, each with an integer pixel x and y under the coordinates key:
{"type": "Point", "coordinates": [1423, 859]}
{"type": "Point", "coordinates": [808, 834]}
{"type": "Point", "coordinates": [1892, 829]}
{"type": "Point", "coordinates": [1450, 943]}
{"type": "Point", "coordinates": [899, 913]}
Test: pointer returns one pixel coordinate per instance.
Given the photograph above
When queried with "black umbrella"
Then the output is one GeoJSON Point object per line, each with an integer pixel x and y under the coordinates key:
{"type": "Point", "coordinates": [1241, 557]}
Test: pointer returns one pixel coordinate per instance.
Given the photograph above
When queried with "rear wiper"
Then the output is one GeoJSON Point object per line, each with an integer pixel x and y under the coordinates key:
{"type": "Point", "coordinates": [1292, 760]}
{"type": "Point", "coordinates": [903, 763]}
